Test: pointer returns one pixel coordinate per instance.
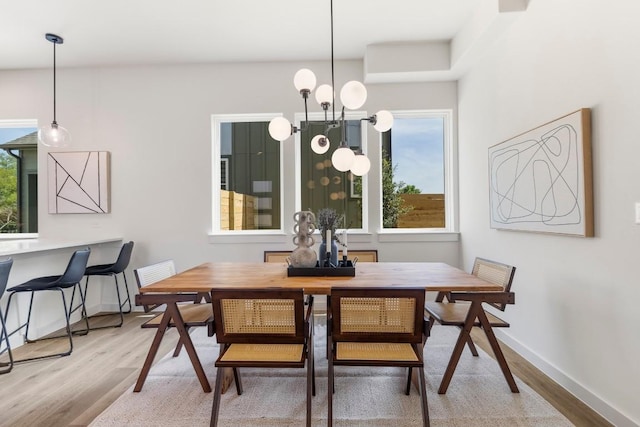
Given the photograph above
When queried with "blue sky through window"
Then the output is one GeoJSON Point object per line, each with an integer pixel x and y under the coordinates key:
{"type": "Point", "coordinates": [9, 134]}
{"type": "Point", "coordinates": [418, 152]}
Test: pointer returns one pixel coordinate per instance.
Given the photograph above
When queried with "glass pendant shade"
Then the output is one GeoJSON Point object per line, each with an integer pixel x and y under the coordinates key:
{"type": "Point", "coordinates": [304, 80]}
{"type": "Point", "coordinates": [361, 165]}
{"type": "Point", "coordinates": [353, 95]}
{"type": "Point", "coordinates": [320, 144]}
{"type": "Point", "coordinates": [342, 158]}
{"type": "Point", "coordinates": [280, 128]}
{"type": "Point", "coordinates": [384, 121]}
{"type": "Point", "coordinates": [324, 94]}
{"type": "Point", "coordinates": [54, 135]}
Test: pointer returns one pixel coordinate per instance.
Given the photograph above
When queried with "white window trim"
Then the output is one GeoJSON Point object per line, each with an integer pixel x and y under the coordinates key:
{"type": "Point", "coordinates": [450, 232]}
{"type": "Point", "coordinates": [216, 121]}
{"type": "Point", "coordinates": [20, 123]}
{"type": "Point", "coordinates": [319, 117]}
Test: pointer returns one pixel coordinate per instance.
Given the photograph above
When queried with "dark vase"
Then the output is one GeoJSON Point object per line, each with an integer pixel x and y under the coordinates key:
{"type": "Point", "coordinates": [322, 253]}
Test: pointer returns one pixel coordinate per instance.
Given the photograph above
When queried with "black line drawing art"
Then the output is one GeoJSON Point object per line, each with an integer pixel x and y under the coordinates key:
{"type": "Point", "coordinates": [538, 179]}
{"type": "Point", "coordinates": [78, 182]}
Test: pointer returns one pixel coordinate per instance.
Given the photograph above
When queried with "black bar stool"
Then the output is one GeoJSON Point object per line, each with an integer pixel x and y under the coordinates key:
{"type": "Point", "coordinates": [5, 268]}
{"type": "Point", "coordinates": [70, 279]}
{"type": "Point", "coordinates": [113, 270]}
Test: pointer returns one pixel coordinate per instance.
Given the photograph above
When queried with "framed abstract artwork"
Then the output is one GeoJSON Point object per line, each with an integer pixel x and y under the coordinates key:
{"type": "Point", "coordinates": [541, 180]}
{"type": "Point", "coordinates": [79, 182]}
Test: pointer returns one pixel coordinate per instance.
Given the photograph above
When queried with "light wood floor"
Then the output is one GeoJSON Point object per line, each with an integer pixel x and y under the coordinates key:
{"type": "Point", "coordinates": [73, 390]}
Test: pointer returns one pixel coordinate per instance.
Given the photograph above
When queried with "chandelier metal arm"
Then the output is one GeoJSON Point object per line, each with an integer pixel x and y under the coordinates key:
{"type": "Point", "coordinates": [305, 95]}
{"type": "Point", "coordinates": [371, 119]}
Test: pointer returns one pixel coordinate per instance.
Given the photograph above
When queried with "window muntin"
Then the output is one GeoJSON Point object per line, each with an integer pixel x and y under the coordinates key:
{"type": "Point", "coordinates": [415, 155]}
{"type": "Point", "coordinates": [18, 177]}
{"type": "Point", "coordinates": [247, 175]}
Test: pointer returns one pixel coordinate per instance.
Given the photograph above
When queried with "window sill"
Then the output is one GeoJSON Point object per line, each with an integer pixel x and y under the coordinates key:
{"type": "Point", "coordinates": [248, 237]}
{"type": "Point", "coordinates": [279, 237]}
{"type": "Point", "coordinates": [18, 236]}
{"type": "Point", "coordinates": [414, 235]}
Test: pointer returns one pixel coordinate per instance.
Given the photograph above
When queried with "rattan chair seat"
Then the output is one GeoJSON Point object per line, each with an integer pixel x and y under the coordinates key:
{"type": "Point", "coordinates": [263, 353]}
{"type": "Point", "coordinates": [454, 314]}
{"type": "Point", "coordinates": [192, 314]}
{"type": "Point", "coordinates": [375, 351]}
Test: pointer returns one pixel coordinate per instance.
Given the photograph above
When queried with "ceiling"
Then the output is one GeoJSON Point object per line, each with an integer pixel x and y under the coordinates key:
{"type": "Point", "coordinates": [128, 32]}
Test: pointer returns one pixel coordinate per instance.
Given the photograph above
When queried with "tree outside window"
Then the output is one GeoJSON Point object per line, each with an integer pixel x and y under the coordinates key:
{"type": "Point", "coordinates": [413, 172]}
{"type": "Point", "coordinates": [18, 178]}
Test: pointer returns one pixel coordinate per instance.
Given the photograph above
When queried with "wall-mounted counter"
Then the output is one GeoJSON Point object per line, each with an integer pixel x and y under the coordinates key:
{"type": "Point", "coordinates": [44, 257]}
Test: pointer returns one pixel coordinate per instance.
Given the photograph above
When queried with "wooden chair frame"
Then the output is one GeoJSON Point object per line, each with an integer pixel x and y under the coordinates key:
{"type": "Point", "coordinates": [416, 338]}
{"type": "Point", "coordinates": [176, 315]}
{"type": "Point", "coordinates": [303, 334]}
{"type": "Point", "coordinates": [471, 314]}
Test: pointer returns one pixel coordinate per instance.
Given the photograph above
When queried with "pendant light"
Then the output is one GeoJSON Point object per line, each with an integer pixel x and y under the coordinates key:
{"type": "Point", "coordinates": [353, 96]}
{"type": "Point", "coordinates": [54, 135]}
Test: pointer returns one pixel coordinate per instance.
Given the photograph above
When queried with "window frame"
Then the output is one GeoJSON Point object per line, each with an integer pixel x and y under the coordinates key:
{"type": "Point", "coordinates": [450, 174]}
{"type": "Point", "coordinates": [21, 123]}
{"type": "Point", "coordinates": [319, 117]}
{"type": "Point", "coordinates": [216, 158]}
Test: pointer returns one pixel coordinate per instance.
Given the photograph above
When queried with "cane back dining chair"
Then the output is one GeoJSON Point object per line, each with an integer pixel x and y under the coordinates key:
{"type": "Point", "coordinates": [69, 279]}
{"type": "Point", "coordinates": [377, 327]}
{"type": "Point", "coordinates": [454, 308]}
{"type": "Point", "coordinates": [112, 269]}
{"type": "Point", "coordinates": [5, 269]}
{"type": "Point", "coordinates": [194, 313]}
{"type": "Point", "coordinates": [263, 328]}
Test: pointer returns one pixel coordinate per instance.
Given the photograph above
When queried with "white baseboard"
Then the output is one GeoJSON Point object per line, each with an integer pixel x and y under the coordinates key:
{"type": "Point", "coordinates": [603, 408]}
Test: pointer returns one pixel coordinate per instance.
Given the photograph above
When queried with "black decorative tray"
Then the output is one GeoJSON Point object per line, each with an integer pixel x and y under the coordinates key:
{"type": "Point", "coordinates": [348, 270]}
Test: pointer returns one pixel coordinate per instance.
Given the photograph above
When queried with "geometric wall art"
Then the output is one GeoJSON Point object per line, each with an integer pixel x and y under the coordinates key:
{"type": "Point", "coordinates": [541, 180]}
{"type": "Point", "coordinates": [79, 182]}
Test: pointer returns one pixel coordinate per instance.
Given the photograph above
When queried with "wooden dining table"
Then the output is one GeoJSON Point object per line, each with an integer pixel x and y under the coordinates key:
{"type": "Point", "coordinates": [430, 276]}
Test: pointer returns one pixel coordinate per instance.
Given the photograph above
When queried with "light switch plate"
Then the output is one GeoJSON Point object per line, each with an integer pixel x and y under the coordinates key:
{"type": "Point", "coordinates": [637, 212]}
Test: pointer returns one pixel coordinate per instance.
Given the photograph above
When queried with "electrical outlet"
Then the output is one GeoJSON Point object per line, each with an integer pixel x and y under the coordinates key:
{"type": "Point", "coordinates": [637, 212]}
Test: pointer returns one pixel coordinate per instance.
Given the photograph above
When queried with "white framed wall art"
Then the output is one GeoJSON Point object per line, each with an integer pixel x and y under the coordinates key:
{"type": "Point", "coordinates": [79, 182]}
{"type": "Point", "coordinates": [541, 180]}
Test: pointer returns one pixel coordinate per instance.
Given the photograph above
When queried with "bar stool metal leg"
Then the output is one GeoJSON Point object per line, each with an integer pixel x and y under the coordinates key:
{"type": "Point", "coordinates": [69, 279]}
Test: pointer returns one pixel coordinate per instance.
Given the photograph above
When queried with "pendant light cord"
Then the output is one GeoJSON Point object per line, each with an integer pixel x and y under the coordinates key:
{"type": "Point", "coordinates": [54, 82]}
{"type": "Point", "coordinates": [333, 83]}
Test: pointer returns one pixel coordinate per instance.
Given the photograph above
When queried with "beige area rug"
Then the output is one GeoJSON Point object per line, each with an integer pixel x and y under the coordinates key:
{"type": "Point", "coordinates": [478, 394]}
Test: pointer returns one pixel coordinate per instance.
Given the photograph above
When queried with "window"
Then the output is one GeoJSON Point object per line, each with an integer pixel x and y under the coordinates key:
{"type": "Point", "coordinates": [18, 177]}
{"type": "Point", "coordinates": [323, 186]}
{"type": "Point", "coordinates": [246, 174]}
{"type": "Point", "coordinates": [415, 154]}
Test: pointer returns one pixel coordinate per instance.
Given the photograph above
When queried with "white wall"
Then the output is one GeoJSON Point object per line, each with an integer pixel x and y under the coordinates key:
{"type": "Point", "coordinates": [576, 298]}
{"type": "Point", "coordinates": [156, 122]}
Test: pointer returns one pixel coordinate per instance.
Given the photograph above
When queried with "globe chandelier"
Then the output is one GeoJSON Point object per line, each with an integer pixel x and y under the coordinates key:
{"type": "Point", "coordinates": [353, 95]}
